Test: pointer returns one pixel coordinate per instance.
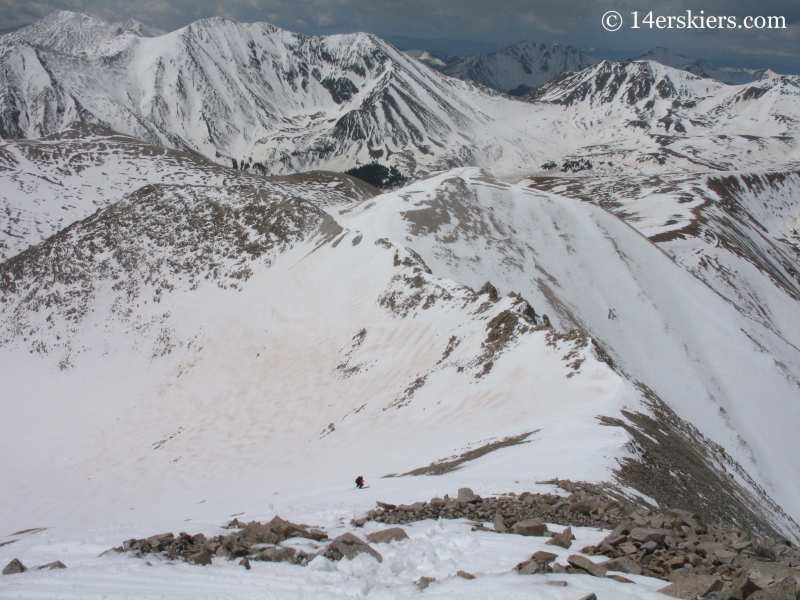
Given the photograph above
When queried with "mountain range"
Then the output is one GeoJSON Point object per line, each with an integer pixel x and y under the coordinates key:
{"type": "Point", "coordinates": [202, 317]}
{"type": "Point", "coordinates": [254, 95]}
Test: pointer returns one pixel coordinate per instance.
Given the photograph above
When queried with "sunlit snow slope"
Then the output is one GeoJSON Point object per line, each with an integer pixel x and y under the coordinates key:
{"type": "Point", "coordinates": [230, 343]}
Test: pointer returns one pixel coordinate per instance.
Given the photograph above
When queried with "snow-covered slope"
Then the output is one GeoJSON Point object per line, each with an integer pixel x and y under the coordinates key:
{"type": "Point", "coordinates": [736, 232]}
{"type": "Point", "coordinates": [703, 68]}
{"type": "Point", "coordinates": [731, 377]}
{"type": "Point", "coordinates": [520, 67]}
{"type": "Point", "coordinates": [49, 183]}
{"type": "Point", "coordinates": [281, 103]}
{"type": "Point", "coordinates": [215, 344]}
{"type": "Point", "coordinates": [222, 344]}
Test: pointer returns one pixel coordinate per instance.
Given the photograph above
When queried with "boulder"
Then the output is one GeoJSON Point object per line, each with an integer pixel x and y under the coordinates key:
{"type": "Point", "coordinates": [563, 539]}
{"type": "Point", "coordinates": [531, 567]}
{"type": "Point", "coordinates": [424, 582]}
{"type": "Point", "coordinates": [465, 575]}
{"type": "Point", "coordinates": [160, 541]}
{"type": "Point", "coordinates": [591, 596]}
{"type": "Point", "coordinates": [258, 533]}
{"type": "Point", "coordinates": [14, 567]}
{"type": "Point", "coordinates": [349, 546]}
{"type": "Point", "coordinates": [623, 565]}
{"type": "Point", "coordinates": [544, 557]}
{"type": "Point", "coordinates": [533, 527]}
{"type": "Point", "coordinates": [317, 534]}
{"type": "Point", "coordinates": [784, 590]}
{"type": "Point", "coordinates": [645, 534]}
{"type": "Point", "coordinates": [387, 535]}
{"type": "Point", "coordinates": [500, 524]}
{"type": "Point", "coordinates": [201, 558]}
{"type": "Point", "coordinates": [285, 529]}
{"type": "Point", "coordinates": [386, 505]}
{"type": "Point", "coordinates": [276, 555]}
{"type": "Point", "coordinates": [760, 575]}
{"type": "Point", "coordinates": [691, 585]}
{"type": "Point", "coordinates": [557, 583]}
{"type": "Point", "coordinates": [706, 549]}
{"type": "Point", "coordinates": [466, 496]}
{"type": "Point", "coordinates": [581, 562]}
{"type": "Point", "coordinates": [619, 578]}
{"type": "Point", "coordinates": [245, 563]}
{"type": "Point", "coordinates": [53, 565]}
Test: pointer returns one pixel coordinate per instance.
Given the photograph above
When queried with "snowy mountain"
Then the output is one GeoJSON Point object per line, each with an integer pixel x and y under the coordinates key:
{"type": "Point", "coordinates": [51, 182]}
{"type": "Point", "coordinates": [265, 321]}
{"type": "Point", "coordinates": [520, 67]}
{"type": "Point", "coordinates": [253, 92]}
{"type": "Point", "coordinates": [702, 68]}
{"type": "Point", "coordinates": [281, 103]}
{"type": "Point", "coordinates": [184, 342]}
{"type": "Point", "coordinates": [641, 113]}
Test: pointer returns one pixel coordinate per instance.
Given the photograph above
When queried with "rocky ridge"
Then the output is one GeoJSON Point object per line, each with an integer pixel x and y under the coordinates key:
{"type": "Point", "coordinates": [727, 562]}
{"type": "Point", "coordinates": [698, 560]}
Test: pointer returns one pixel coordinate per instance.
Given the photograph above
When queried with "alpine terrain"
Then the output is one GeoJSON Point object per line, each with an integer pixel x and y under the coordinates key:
{"type": "Point", "coordinates": [565, 356]}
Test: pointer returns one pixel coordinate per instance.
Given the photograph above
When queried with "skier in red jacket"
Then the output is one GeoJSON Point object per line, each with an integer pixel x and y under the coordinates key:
{"type": "Point", "coordinates": [360, 482]}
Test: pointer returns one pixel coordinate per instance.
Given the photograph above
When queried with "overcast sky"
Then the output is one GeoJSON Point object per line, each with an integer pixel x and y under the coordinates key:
{"type": "Point", "coordinates": [501, 22]}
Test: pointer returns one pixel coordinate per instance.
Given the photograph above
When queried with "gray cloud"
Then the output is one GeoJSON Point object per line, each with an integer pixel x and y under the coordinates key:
{"type": "Point", "coordinates": [573, 22]}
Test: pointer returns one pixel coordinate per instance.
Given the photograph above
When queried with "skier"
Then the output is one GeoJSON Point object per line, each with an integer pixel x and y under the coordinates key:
{"type": "Point", "coordinates": [360, 482]}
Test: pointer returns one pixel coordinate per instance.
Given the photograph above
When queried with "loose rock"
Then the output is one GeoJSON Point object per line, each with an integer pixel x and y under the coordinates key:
{"type": "Point", "coordinates": [53, 565]}
{"type": "Point", "coordinates": [387, 535]}
{"type": "Point", "coordinates": [583, 563]}
{"type": "Point", "coordinates": [533, 527]}
{"type": "Point", "coordinates": [563, 539]}
{"type": "Point", "coordinates": [465, 575]}
{"type": "Point", "coordinates": [349, 546]}
{"type": "Point", "coordinates": [14, 567]}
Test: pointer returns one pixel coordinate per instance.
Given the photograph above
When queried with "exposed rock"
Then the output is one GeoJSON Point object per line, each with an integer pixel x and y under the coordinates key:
{"type": "Point", "coordinates": [690, 585]}
{"type": "Point", "coordinates": [387, 535]}
{"type": "Point", "coordinates": [619, 578]}
{"type": "Point", "coordinates": [785, 590]}
{"type": "Point", "coordinates": [258, 533]}
{"type": "Point", "coordinates": [14, 567]}
{"type": "Point", "coordinates": [386, 505]}
{"type": "Point", "coordinates": [544, 557]}
{"type": "Point", "coordinates": [465, 575]}
{"type": "Point", "coordinates": [563, 539]}
{"type": "Point", "coordinates": [623, 565]}
{"type": "Point", "coordinates": [534, 527]}
{"type": "Point", "coordinates": [500, 524]}
{"type": "Point", "coordinates": [424, 582]}
{"type": "Point", "coordinates": [201, 558]}
{"type": "Point", "coordinates": [583, 563]}
{"type": "Point", "coordinates": [591, 596]}
{"type": "Point", "coordinates": [53, 565]}
{"type": "Point", "coordinates": [276, 555]}
{"type": "Point", "coordinates": [466, 496]}
{"type": "Point", "coordinates": [245, 563]}
{"type": "Point", "coordinates": [349, 546]}
{"type": "Point", "coordinates": [644, 535]}
{"type": "Point", "coordinates": [557, 582]}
